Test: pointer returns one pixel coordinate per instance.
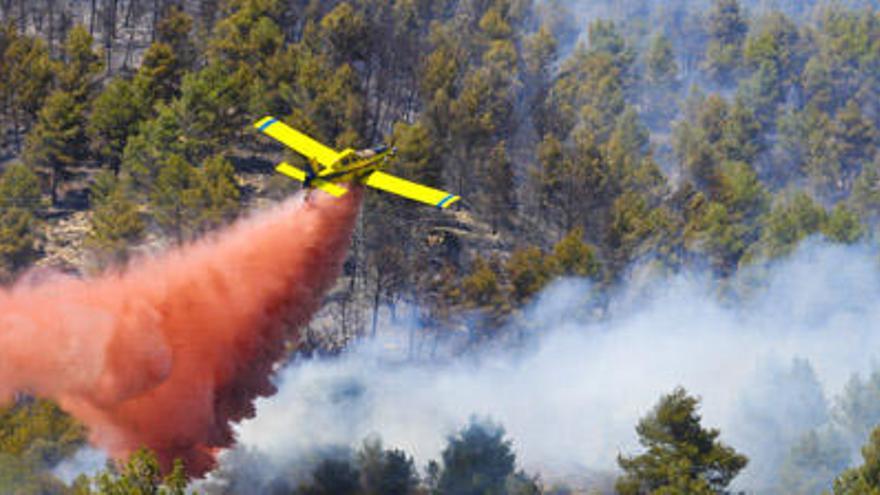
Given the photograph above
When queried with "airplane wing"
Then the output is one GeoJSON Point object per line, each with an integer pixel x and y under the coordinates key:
{"type": "Point", "coordinates": [298, 141]}
{"type": "Point", "coordinates": [411, 190]}
{"type": "Point", "coordinates": [300, 175]}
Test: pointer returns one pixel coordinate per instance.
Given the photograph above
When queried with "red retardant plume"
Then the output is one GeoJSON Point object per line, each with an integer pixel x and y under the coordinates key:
{"type": "Point", "coordinates": [171, 352]}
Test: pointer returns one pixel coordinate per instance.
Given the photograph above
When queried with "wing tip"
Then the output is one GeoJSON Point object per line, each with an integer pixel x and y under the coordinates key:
{"type": "Point", "coordinates": [265, 122]}
{"type": "Point", "coordinates": [448, 200]}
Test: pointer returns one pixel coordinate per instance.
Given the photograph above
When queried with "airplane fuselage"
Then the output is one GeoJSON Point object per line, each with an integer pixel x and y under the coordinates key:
{"type": "Point", "coordinates": [355, 165]}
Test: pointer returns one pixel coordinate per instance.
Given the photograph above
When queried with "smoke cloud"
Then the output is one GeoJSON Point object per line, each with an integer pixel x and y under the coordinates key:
{"type": "Point", "coordinates": [170, 352]}
{"type": "Point", "coordinates": [766, 352]}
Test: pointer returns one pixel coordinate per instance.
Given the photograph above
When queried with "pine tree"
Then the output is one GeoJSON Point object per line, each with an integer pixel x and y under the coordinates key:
{"type": "Point", "coordinates": [788, 222]}
{"type": "Point", "coordinates": [174, 30]}
{"type": "Point", "coordinates": [682, 457]}
{"type": "Point", "coordinates": [159, 75]}
{"type": "Point", "coordinates": [17, 240]}
{"type": "Point", "coordinates": [218, 193]}
{"type": "Point", "coordinates": [479, 460]}
{"type": "Point", "coordinates": [58, 140]}
{"type": "Point", "coordinates": [528, 273]}
{"type": "Point", "coordinates": [156, 139]}
{"type": "Point", "coordinates": [20, 200]}
{"type": "Point", "coordinates": [742, 134]}
{"type": "Point", "coordinates": [604, 37]}
{"type": "Point", "coordinates": [727, 32]}
{"type": "Point", "coordinates": [541, 53]}
{"type": "Point", "coordinates": [385, 472]}
{"type": "Point", "coordinates": [20, 188]}
{"type": "Point", "coordinates": [865, 198]}
{"type": "Point", "coordinates": [843, 226]}
{"type": "Point", "coordinates": [209, 110]}
{"type": "Point", "coordinates": [81, 65]}
{"type": "Point", "coordinates": [115, 221]}
{"type": "Point", "coordinates": [27, 77]}
{"type": "Point", "coordinates": [115, 115]}
{"type": "Point", "coordinates": [175, 198]}
{"type": "Point", "coordinates": [497, 195]}
{"type": "Point", "coordinates": [141, 474]}
{"type": "Point", "coordinates": [333, 477]}
{"type": "Point", "coordinates": [775, 43]}
{"type": "Point", "coordinates": [572, 257]}
{"type": "Point", "coordinates": [864, 479]}
{"type": "Point", "coordinates": [482, 289]}
{"type": "Point", "coordinates": [660, 62]}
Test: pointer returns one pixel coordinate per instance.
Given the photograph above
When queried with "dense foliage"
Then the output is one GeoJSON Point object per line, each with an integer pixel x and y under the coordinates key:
{"type": "Point", "coordinates": [719, 134]}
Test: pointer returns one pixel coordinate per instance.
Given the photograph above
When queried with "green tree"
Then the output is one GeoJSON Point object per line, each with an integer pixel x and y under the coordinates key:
{"type": "Point", "coordinates": [528, 273]}
{"type": "Point", "coordinates": [857, 137]}
{"type": "Point", "coordinates": [788, 222]}
{"type": "Point", "coordinates": [497, 196]}
{"type": "Point", "coordinates": [141, 475]}
{"type": "Point", "coordinates": [865, 198]}
{"type": "Point", "coordinates": [81, 65]}
{"type": "Point", "coordinates": [18, 233]}
{"type": "Point", "coordinates": [682, 456]}
{"type": "Point", "coordinates": [58, 140]}
{"type": "Point", "coordinates": [714, 233]}
{"type": "Point", "coordinates": [482, 289]}
{"type": "Point", "coordinates": [727, 31]}
{"type": "Point", "coordinates": [115, 115]}
{"type": "Point", "coordinates": [864, 479]}
{"type": "Point", "coordinates": [38, 430]}
{"type": "Point", "coordinates": [174, 30]}
{"type": "Point", "coordinates": [660, 65]}
{"type": "Point", "coordinates": [385, 472]}
{"type": "Point", "coordinates": [823, 161]}
{"type": "Point", "coordinates": [630, 224]}
{"type": "Point", "coordinates": [477, 461]}
{"type": "Point", "coordinates": [418, 155]}
{"type": "Point", "coordinates": [775, 42]}
{"type": "Point", "coordinates": [27, 77]}
{"type": "Point", "coordinates": [20, 188]}
{"type": "Point", "coordinates": [247, 33]}
{"type": "Point", "coordinates": [20, 199]}
{"type": "Point", "coordinates": [175, 198]}
{"type": "Point", "coordinates": [605, 38]}
{"type": "Point", "coordinates": [347, 34]}
{"type": "Point", "coordinates": [156, 139]}
{"type": "Point", "coordinates": [209, 111]}
{"type": "Point", "coordinates": [726, 226]}
{"type": "Point", "coordinates": [540, 52]}
{"type": "Point", "coordinates": [589, 90]}
{"type": "Point", "coordinates": [219, 192]}
{"type": "Point", "coordinates": [572, 257]}
{"type": "Point", "coordinates": [115, 222]}
{"type": "Point", "coordinates": [843, 226]}
{"type": "Point", "coordinates": [743, 137]}
{"type": "Point", "coordinates": [35, 435]}
{"type": "Point", "coordinates": [333, 477]}
{"type": "Point", "coordinates": [159, 75]}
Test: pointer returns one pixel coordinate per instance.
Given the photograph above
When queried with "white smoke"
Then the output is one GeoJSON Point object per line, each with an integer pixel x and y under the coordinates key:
{"type": "Point", "coordinates": [88, 461]}
{"type": "Point", "coordinates": [765, 352]}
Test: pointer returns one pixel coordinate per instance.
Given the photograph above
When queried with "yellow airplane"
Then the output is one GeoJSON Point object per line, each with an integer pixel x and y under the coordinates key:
{"type": "Point", "coordinates": [327, 168]}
